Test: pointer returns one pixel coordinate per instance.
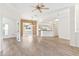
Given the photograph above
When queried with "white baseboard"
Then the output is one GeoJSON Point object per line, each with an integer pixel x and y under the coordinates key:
{"type": "Point", "coordinates": [9, 38]}
{"type": "Point", "coordinates": [65, 38]}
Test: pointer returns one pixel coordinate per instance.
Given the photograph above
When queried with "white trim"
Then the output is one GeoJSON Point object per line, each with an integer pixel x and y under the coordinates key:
{"type": "Point", "coordinates": [75, 21]}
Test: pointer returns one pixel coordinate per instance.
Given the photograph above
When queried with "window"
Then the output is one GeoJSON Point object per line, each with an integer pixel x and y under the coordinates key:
{"type": "Point", "coordinates": [5, 29]}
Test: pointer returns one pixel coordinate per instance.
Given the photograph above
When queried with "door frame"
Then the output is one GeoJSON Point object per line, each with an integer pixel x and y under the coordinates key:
{"type": "Point", "coordinates": [34, 24]}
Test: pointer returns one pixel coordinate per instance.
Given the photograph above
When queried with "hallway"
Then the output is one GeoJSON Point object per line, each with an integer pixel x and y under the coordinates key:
{"type": "Point", "coordinates": [43, 47]}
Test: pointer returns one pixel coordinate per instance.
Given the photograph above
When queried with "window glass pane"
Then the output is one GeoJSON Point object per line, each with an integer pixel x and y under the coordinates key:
{"type": "Point", "coordinates": [5, 29]}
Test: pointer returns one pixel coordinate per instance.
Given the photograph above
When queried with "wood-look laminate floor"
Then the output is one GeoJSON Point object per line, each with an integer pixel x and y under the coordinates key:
{"type": "Point", "coordinates": [38, 47]}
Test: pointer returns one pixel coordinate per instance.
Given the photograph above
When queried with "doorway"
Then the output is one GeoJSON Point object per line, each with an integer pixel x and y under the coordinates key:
{"type": "Point", "coordinates": [28, 29]}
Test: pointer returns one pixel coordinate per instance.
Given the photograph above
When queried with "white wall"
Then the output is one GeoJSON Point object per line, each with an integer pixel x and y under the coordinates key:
{"type": "Point", "coordinates": [55, 27]}
{"type": "Point", "coordinates": [11, 27]}
{"type": "Point", "coordinates": [64, 24]}
{"type": "Point", "coordinates": [12, 17]}
{"type": "Point", "coordinates": [77, 18]}
{"type": "Point", "coordinates": [0, 28]}
{"type": "Point", "coordinates": [50, 32]}
{"type": "Point", "coordinates": [74, 25]}
{"type": "Point", "coordinates": [47, 34]}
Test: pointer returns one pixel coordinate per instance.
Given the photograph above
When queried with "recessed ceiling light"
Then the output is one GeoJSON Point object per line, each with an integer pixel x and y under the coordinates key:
{"type": "Point", "coordinates": [56, 19]}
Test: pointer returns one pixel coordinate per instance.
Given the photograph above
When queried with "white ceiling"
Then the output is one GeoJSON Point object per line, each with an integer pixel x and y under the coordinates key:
{"type": "Point", "coordinates": [25, 9]}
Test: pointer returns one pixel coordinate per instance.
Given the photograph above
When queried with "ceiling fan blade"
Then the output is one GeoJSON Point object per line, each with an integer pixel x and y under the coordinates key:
{"type": "Point", "coordinates": [38, 4]}
{"type": "Point", "coordinates": [33, 6]}
{"type": "Point", "coordinates": [34, 10]}
{"type": "Point", "coordinates": [40, 10]}
{"type": "Point", "coordinates": [42, 5]}
{"type": "Point", "coordinates": [44, 8]}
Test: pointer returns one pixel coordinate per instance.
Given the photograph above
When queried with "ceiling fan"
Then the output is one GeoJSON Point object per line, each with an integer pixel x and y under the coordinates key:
{"type": "Point", "coordinates": [39, 7]}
